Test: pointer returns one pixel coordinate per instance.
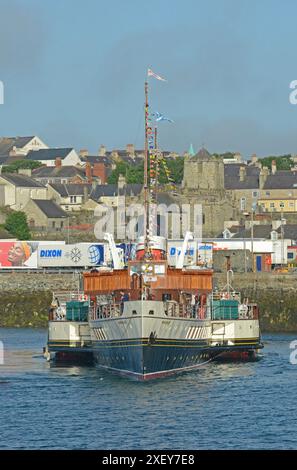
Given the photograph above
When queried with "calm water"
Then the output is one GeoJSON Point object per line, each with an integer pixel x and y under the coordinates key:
{"type": "Point", "coordinates": [221, 406]}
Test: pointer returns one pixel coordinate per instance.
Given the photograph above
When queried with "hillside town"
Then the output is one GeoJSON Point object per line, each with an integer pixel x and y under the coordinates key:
{"type": "Point", "coordinates": [249, 210]}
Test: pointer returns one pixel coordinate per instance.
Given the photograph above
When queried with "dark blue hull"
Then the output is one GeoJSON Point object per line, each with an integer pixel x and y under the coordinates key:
{"type": "Point", "coordinates": [143, 360]}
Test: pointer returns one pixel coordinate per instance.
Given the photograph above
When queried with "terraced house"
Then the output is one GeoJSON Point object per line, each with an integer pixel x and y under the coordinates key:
{"type": "Point", "coordinates": [16, 190]}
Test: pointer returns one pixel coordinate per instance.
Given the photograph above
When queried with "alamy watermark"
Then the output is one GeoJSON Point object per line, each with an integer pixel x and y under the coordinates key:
{"type": "Point", "coordinates": [1, 92]}
{"type": "Point", "coordinates": [1, 353]}
{"type": "Point", "coordinates": [126, 222]}
{"type": "Point", "coordinates": [293, 355]}
{"type": "Point", "coordinates": [293, 94]}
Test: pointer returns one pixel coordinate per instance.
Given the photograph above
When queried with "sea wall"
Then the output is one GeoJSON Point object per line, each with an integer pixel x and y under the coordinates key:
{"type": "Point", "coordinates": [275, 294]}
{"type": "Point", "coordinates": [25, 297]}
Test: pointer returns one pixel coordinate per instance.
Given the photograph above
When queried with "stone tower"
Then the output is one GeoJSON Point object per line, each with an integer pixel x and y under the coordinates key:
{"type": "Point", "coordinates": [203, 184]}
{"type": "Point", "coordinates": [203, 172]}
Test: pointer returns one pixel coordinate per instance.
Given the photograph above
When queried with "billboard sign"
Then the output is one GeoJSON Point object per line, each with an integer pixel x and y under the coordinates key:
{"type": "Point", "coordinates": [20, 254]}
{"type": "Point", "coordinates": [204, 254]}
{"type": "Point", "coordinates": [79, 254]}
{"type": "Point", "coordinates": [174, 250]}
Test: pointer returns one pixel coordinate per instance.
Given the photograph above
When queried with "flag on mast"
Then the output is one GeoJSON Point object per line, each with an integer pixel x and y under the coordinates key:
{"type": "Point", "coordinates": [161, 117]}
{"type": "Point", "coordinates": [150, 73]}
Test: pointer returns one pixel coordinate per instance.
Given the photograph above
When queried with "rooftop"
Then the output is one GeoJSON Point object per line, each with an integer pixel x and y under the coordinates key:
{"type": "Point", "coordinates": [201, 155]}
{"type": "Point", "coordinates": [48, 154]}
{"type": "Point", "coordinates": [232, 176]}
{"type": "Point", "coordinates": [110, 190]}
{"type": "Point", "coordinates": [50, 208]}
{"type": "Point", "coordinates": [62, 171]}
{"type": "Point", "coordinates": [7, 143]}
{"type": "Point", "coordinates": [264, 231]}
{"type": "Point", "coordinates": [21, 180]}
{"type": "Point", "coordinates": [285, 179]}
{"type": "Point", "coordinates": [66, 190]}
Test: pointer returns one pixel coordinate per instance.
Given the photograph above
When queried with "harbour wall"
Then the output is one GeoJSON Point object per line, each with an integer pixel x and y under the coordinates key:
{"type": "Point", "coordinates": [25, 297]}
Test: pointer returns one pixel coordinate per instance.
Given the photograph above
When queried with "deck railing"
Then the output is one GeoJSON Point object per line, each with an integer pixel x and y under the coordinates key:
{"type": "Point", "coordinates": [176, 310]}
{"type": "Point", "coordinates": [107, 310]}
{"type": "Point", "coordinates": [57, 310]}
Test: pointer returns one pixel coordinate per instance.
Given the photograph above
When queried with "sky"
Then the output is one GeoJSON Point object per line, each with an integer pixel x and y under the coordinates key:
{"type": "Point", "coordinates": [74, 71]}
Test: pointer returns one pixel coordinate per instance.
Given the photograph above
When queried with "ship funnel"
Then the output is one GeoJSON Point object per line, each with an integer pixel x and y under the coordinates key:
{"type": "Point", "coordinates": [156, 245]}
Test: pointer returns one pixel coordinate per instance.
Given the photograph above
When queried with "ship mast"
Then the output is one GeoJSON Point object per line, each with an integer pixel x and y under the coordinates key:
{"type": "Point", "coordinates": [148, 131]}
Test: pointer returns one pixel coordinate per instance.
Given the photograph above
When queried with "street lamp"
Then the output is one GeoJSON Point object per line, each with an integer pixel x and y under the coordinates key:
{"type": "Point", "coordinates": [246, 214]}
{"type": "Point", "coordinates": [254, 205]}
{"type": "Point", "coordinates": [282, 205]}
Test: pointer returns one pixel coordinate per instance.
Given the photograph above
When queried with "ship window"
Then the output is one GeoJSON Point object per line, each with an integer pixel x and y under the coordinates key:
{"type": "Point", "coordinates": [134, 312]}
{"type": "Point", "coordinates": [151, 312]}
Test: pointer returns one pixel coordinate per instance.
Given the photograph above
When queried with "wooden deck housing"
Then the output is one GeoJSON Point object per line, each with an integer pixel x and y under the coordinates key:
{"type": "Point", "coordinates": [175, 279]}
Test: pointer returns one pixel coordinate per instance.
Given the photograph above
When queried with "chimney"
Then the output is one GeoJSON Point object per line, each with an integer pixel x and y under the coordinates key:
{"type": "Point", "coordinates": [102, 151]}
{"type": "Point", "coordinates": [25, 171]}
{"type": "Point", "coordinates": [242, 173]}
{"type": "Point", "coordinates": [86, 194]}
{"type": "Point", "coordinates": [100, 171]}
{"type": "Point", "coordinates": [258, 164]}
{"type": "Point", "coordinates": [130, 149]}
{"type": "Point", "coordinates": [121, 181]}
{"type": "Point", "coordinates": [58, 162]}
{"type": "Point", "coordinates": [254, 158]}
{"type": "Point", "coordinates": [273, 167]}
{"type": "Point", "coordinates": [83, 152]}
{"type": "Point", "coordinates": [263, 176]}
{"type": "Point", "coordinates": [88, 170]}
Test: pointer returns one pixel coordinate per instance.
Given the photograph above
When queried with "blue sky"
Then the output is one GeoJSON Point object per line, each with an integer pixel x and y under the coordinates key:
{"type": "Point", "coordinates": [74, 71]}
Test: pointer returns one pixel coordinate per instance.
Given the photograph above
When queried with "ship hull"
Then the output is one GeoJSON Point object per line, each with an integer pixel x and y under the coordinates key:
{"type": "Point", "coordinates": [70, 342]}
{"type": "Point", "coordinates": [139, 359]}
{"type": "Point", "coordinates": [148, 346]}
{"type": "Point", "coordinates": [144, 361]}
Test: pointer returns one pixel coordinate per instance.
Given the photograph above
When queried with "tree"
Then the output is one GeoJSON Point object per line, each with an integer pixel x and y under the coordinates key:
{"type": "Point", "coordinates": [134, 173]}
{"type": "Point", "coordinates": [21, 164]}
{"type": "Point", "coordinates": [16, 224]}
{"type": "Point", "coordinates": [120, 169]}
{"type": "Point", "coordinates": [283, 162]}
